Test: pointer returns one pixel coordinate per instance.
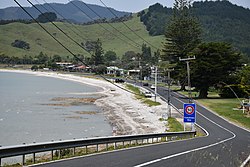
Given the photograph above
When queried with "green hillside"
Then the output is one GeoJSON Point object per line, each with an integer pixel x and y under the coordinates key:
{"type": "Point", "coordinates": [40, 41]}
{"type": "Point", "coordinates": [221, 21]}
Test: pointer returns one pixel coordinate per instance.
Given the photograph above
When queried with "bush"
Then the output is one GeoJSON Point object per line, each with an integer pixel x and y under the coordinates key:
{"type": "Point", "coordinates": [46, 17]}
{"type": "Point", "coordinates": [240, 90]}
{"type": "Point", "coordinates": [20, 44]}
{"type": "Point", "coordinates": [100, 69]}
{"type": "Point", "coordinates": [34, 68]}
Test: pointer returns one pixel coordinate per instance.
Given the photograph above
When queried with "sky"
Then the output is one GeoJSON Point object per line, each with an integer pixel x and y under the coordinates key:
{"type": "Point", "coordinates": [121, 5]}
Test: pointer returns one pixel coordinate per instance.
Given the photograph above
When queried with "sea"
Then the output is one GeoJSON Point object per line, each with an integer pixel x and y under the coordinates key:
{"type": "Point", "coordinates": [36, 109]}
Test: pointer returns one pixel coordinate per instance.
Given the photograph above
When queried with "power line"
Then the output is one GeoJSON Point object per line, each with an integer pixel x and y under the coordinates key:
{"type": "Point", "coordinates": [48, 32]}
{"type": "Point", "coordinates": [187, 60]}
{"type": "Point", "coordinates": [58, 27]}
{"type": "Point", "coordinates": [68, 26]}
{"type": "Point", "coordinates": [136, 44]}
{"type": "Point", "coordinates": [128, 26]}
{"type": "Point", "coordinates": [78, 34]}
{"type": "Point", "coordinates": [66, 47]}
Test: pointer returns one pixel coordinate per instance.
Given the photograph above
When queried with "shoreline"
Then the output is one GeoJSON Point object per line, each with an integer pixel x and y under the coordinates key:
{"type": "Point", "coordinates": [124, 113]}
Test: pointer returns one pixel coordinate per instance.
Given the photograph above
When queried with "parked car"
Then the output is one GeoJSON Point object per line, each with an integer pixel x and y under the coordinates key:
{"type": "Point", "coordinates": [118, 80]}
{"type": "Point", "coordinates": [152, 86]}
{"type": "Point", "coordinates": [147, 94]}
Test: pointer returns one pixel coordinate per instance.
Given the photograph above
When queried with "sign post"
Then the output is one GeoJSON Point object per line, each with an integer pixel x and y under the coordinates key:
{"type": "Point", "coordinates": [189, 114]}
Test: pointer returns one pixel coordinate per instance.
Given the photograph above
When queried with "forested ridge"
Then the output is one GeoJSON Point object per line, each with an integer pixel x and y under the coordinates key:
{"type": "Point", "coordinates": [220, 20]}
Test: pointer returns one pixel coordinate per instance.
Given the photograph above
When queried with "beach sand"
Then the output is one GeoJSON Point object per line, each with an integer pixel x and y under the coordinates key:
{"type": "Point", "coordinates": [126, 114]}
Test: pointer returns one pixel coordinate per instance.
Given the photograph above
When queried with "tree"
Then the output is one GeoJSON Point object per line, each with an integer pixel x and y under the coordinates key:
{"type": "Point", "coordinates": [243, 76]}
{"type": "Point", "coordinates": [34, 68]}
{"type": "Point", "coordinates": [214, 63]}
{"type": "Point", "coordinates": [100, 69]}
{"type": "Point", "coordinates": [127, 60]}
{"type": "Point", "coordinates": [95, 48]}
{"type": "Point", "coordinates": [56, 58]}
{"type": "Point", "coordinates": [41, 58]}
{"type": "Point", "coordinates": [109, 57]}
{"type": "Point", "coordinates": [146, 54]}
{"type": "Point", "coordinates": [20, 44]}
{"type": "Point", "coordinates": [182, 35]}
{"type": "Point", "coordinates": [46, 17]}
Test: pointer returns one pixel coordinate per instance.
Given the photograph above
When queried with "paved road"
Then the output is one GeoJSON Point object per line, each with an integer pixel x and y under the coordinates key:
{"type": "Point", "coordinates": [225, 145]}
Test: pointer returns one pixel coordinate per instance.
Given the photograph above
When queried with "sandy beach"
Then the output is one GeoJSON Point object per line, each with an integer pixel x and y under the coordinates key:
{"type": "Point", "coordinates": [125, 113]}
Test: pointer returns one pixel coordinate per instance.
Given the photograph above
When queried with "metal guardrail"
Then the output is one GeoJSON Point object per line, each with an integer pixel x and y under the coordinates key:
{"type": "Point", "coordinates": [22, 150]}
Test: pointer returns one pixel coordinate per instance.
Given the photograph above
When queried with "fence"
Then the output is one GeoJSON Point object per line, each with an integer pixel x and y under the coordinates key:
{"type": "Point", "coordinates": [22, 150]}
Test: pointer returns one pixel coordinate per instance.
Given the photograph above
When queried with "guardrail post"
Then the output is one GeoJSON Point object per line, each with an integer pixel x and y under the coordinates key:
{"type": "Point", "coordinates": [23, 160]}
{"type": "Point", "coordinates": [59, 154]}
{"type": "Point", "coordinates": [34, 158]}
{"type": "Point", "coordinates": [107, 146]}
{"type": "Point", "coordinates": [74, 151]}
{"type": "Point", "coordinates": [131, 140]}
{"type": "Point", "coordinates": [52, 155]}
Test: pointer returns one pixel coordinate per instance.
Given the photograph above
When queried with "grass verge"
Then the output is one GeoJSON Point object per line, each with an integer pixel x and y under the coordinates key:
{"type": "Point", "coordinates": [227, 108]}
{"type": "Point", "coordinates": [174, 125]}
{"type": "Point", "coordinates": [141, 97]}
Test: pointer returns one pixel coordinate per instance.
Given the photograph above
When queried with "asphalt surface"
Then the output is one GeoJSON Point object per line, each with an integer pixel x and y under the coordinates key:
{"type": "Point", "coordinates": [225, 145]}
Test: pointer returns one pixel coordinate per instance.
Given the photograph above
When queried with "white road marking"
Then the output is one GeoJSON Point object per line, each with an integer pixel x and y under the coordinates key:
{"type": "Point", "coordinates": [193, 150]}
{"type": "Point", "coordinates": [245, 162]}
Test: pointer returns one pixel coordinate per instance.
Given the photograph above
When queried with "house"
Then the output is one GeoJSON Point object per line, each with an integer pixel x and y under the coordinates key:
{"type": "Point", "coordinates": [134, 73]}
{"type": "Point", "coordinates": [82, 68]}
{"type": "Point", "coordinates": [113, 70]}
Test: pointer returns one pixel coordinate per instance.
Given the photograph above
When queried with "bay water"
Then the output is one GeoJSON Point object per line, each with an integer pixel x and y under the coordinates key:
{"type": "Point", "coordinates": [30, 110]}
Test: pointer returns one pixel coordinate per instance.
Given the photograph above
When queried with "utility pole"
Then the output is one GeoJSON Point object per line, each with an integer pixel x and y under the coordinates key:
{"type": "Point", "coordinates": [187, 60]}
{"type": "Point", "coordinates": [155, 82]}
{"type": "Point", "coordinates": [140, 67]}
{"type": "Point", "coordinates": [169, 82]}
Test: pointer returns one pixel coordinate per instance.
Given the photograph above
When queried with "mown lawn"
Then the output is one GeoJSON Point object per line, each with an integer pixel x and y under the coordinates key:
{"type": "Point", "coordinates": [228, 108]}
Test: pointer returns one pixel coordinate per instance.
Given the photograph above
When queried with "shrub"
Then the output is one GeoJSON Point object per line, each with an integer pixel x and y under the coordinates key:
{"type": "Point", "coordinates": [240, 91]}
{"type": "Point", "coordinates": [34, 68]}
{"type": "Point", "coordinates": [20, 44]}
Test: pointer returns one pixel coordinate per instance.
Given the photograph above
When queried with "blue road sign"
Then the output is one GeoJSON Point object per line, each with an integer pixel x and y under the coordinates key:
{"type": "Point", "coordinates": [189, 113]}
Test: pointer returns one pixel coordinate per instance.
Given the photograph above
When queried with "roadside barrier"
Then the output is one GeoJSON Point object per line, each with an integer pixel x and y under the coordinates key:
{"type": "Point", "coordinates": [115, 141]}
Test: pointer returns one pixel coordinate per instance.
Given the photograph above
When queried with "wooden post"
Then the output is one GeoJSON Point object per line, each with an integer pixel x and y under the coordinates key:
{"type": "Point", "coordinates": [74, 151]}
{"type": "Point", "coordinates": [23, 160]}
{"type": "Point", "coordinates": [59, 154]}
{"type": "Point", "coordinates": [107, 146]}
{"type": "Point", "coordinates": [52, 155]}
{"type": "Point", "coordinates": [34, 158]}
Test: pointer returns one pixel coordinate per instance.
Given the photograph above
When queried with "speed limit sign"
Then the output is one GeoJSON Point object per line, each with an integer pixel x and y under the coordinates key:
{"type": "Point", "coordinates": [189, 113]}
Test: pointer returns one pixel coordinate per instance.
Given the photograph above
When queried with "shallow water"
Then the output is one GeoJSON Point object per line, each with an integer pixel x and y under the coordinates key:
{"type": "Point", "coordinates": [28, 113]}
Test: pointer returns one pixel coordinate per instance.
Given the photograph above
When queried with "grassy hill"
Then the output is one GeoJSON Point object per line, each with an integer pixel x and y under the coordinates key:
{"type": "Point", "coordinates": [221, 21]}
{"type": "Point", "coordinates": [40, 41]}
{"type": "Point", "coordinates": [70, 11]}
